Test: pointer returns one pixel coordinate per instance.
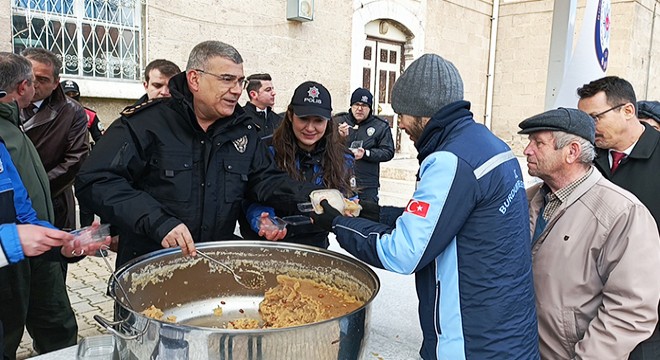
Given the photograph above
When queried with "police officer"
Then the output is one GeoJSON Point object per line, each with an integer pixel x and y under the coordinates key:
{"type": "Point", "coordinates": [369, 138]}
{"type": "Point", "coordinates": [175, 170]}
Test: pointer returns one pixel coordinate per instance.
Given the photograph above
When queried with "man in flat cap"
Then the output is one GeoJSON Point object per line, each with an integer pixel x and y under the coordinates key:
{"type": "Point", "coordinates": [591, 241]}
{"type": "Point", "coordinates": [464, 234]}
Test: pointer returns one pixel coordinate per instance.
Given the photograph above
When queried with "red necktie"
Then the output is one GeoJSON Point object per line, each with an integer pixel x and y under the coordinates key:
{"type": "Point", "coordinates": [616, 159]}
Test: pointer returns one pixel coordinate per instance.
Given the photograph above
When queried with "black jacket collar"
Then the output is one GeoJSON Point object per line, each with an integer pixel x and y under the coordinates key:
{"type": "Point", "coordinates": [440, 125]}
{"type": "Point", "coordinates": [180, 91]}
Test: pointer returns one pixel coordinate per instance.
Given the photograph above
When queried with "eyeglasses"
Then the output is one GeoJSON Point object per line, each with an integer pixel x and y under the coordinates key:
{"type": "Point", "coordinates": [227, 80]}
{"type": "Point", "coordinates": [360, 106]}
{"type": "Point", "coordinates": [597, 116]}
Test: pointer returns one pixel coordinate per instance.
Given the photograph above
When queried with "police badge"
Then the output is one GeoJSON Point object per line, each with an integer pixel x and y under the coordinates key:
{"type": "Point", "coordinates": [370, 131]}
{"type": "Point", "coordinates": [241, 144]}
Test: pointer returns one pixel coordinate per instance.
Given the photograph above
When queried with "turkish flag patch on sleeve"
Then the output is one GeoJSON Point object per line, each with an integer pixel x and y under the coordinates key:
{"type": "Point", "coordinates": [418, 208]}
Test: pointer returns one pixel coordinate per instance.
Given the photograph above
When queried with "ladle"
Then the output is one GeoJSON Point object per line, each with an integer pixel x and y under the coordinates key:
{"type": "Point", "coordinates": [249, 279]}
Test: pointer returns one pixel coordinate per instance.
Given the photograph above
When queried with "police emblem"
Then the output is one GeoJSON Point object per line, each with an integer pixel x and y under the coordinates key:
{"type": "Point", "coordinates": [313, 92]}
{"type": "Point", "coordinates": [370, 131]}
{"type": "Point", "coordinates": [241, 144]}
{"type": "Point", "coordinates": [365, 99]}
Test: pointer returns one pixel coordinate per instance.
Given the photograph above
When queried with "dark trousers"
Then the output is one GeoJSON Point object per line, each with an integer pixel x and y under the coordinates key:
{"type": "Point", "coordinates": [64, 206]}
{"type": "Point", "coordinates": [86, 216]}
{"type": "Point", "coordinates": [648, 349]}
{"type": "Point", "coordinates": [33, 295]}
{"type": "Point", "coordinates": [369, 194]}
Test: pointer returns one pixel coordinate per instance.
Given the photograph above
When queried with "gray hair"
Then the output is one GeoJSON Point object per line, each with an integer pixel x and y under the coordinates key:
{"type": "Point", "coordinates": [587, 151]}
{"type": "Point", "coordinates": [204, 51]}
{"type": "Point", "coordinates": [14, 69]}
{"type": "Point", "coordinates": [44, 56]}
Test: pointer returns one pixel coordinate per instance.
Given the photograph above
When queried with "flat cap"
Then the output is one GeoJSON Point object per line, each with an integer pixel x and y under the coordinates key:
{"type": "Point", "coordinates": [648, 110]}
{"type": "Point", "coordinates": [572, 121]}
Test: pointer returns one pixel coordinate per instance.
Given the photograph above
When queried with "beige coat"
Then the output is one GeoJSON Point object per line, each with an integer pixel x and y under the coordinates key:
{"type": "Point", "coordinates": [595, 273]}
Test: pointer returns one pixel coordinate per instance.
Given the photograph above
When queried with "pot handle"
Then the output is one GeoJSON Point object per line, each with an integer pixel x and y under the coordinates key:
{"type": "Point", "coordinates": [110, 326]}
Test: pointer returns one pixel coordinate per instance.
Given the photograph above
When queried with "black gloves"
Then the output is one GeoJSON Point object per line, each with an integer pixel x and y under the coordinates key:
{"type": "Point", "coordinates": [325, 220]}
{"type": "Point", "coordinates": [370, 210]}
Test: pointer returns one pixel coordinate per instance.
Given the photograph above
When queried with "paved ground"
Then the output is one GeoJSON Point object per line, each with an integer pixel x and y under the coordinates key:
{"type": "Point", "coordinates": [87, 283]}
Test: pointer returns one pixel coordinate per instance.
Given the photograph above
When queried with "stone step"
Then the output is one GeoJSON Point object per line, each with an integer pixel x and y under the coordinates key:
{"type": "Point", "coordinates": [395, 192]}
{"type": "Point", "coordinates": [400, 169]}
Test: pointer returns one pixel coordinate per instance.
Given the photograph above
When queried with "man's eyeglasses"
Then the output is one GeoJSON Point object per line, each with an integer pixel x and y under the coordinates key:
{"type": "Point", "coordinates": [597, 116]}
{"type": "Point", "coordinates": [229, 81]}
{"type": "Point", "coordinates": [360, 106]}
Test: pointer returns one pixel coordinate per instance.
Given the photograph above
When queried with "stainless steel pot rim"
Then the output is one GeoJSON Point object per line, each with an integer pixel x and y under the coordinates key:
{"type": "Point", "coordinates": [247, 244]}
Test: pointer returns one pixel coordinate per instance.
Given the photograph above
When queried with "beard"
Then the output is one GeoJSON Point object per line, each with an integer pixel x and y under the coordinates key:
{"type": "Point", "coordinates": [415, 129]}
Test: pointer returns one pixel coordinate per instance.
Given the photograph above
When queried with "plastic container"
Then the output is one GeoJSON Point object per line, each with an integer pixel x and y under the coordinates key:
{"type": "Point", "coordinates": [102, 347]}
{"type": "Point", "coordinates": [91, 234]}
{"type": "Point", "coordinates": [356, 144]}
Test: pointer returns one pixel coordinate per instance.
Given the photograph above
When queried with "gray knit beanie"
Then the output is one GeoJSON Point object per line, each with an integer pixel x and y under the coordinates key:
{"type": "Point", "coordinates": [428, 84]}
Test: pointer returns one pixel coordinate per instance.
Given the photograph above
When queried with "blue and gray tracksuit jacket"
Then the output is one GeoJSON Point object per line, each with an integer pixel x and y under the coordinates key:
{"type": "Point", "coordinates": [465, 236]}
{"type": "Point", "coordinates": [15, 208]}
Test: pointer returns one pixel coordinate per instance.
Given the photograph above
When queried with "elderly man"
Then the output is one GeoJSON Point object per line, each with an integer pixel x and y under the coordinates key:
{"type": "Point", "coordinates": [181, 176]}
{"type": "Point", "coordinates": [369, 138]}
{"type": "Point", "coordinates": [38, 300]}
{"type": "Point", "coordinates": [591, 242]}
{"type": "Point", "coordinates": [627, 154]}
{"type": "Point", "coordinates": [464, 234]}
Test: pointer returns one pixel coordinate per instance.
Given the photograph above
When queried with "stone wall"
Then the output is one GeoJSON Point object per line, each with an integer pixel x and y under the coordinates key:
{"type": "Point", "coordinates": [324, 49]}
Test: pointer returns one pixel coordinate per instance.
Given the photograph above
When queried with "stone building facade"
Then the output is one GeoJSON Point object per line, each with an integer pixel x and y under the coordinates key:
{"type": "Point", "coordinates": [346, 45]}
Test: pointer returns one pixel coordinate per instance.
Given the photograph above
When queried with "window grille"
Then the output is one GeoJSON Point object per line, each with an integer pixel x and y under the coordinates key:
{"type": "Point", "coordinates": [95, 38]}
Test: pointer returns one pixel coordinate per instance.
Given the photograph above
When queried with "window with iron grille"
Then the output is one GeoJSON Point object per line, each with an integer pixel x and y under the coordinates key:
{"type": "Point", "coordinates": [95, 38]}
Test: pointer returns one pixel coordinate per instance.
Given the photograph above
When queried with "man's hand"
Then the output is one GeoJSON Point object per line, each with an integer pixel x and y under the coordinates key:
{"type": "Point", "coordinates": [36, 240]}
{"type": "Point", "coordinates": [269, 229]}
{"type": "Point", "coordinates": [370, 210]}
{"type": "Point", "coordinates": [344, 129]}
{"type": "Point", "coordinates": [358, 153]}
{"type": "Point", "coordinates": [180, 236]}
{"type": "Point", "coordinates": [325, 220]}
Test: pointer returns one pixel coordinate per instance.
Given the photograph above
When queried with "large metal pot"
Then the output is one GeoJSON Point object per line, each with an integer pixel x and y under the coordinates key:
{"type": "Point", "coordinates": [191, 288]}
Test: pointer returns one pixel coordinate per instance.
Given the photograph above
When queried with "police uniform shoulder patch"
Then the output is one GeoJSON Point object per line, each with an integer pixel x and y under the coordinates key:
{"type": "Point", "coordinates": [133, 109]}
{"type": "Point", "coordinates": [381, 119]}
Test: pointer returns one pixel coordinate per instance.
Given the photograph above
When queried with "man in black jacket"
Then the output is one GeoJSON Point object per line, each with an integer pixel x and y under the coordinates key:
{"type": "Point", "coordinates": [262, 93]}
{"type": "Point", "coordinates": [369, 138]}
{"type": "Point", "coordinates": [174, 171]}
{"type": "Point", "coordinates": [627, 154]}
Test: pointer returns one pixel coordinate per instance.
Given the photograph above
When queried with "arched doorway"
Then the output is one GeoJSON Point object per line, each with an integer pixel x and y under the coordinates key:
{"type": "Point", "coordinates": [383, 61]}
{"type": "Point", "coordinates": [386, 36]}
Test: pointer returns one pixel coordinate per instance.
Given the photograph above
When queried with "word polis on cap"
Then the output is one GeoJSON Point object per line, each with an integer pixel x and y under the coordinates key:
{"type": "Point", "coordinates": [313, 93]}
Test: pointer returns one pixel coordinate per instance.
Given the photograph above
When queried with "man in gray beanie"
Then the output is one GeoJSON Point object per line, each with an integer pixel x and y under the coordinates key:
{"type": "Point", "coordinates": [465, 232]}
{"type": "Point", "coordinates": [576, 213]}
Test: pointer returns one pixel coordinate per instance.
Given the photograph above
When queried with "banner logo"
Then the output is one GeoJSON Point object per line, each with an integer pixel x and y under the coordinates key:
{"type": "Point", "coordinates": [602, 32]}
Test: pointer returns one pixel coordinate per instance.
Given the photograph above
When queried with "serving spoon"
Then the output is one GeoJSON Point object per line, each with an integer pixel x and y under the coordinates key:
{"type": "Point", "coordinates": [249, 279]}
